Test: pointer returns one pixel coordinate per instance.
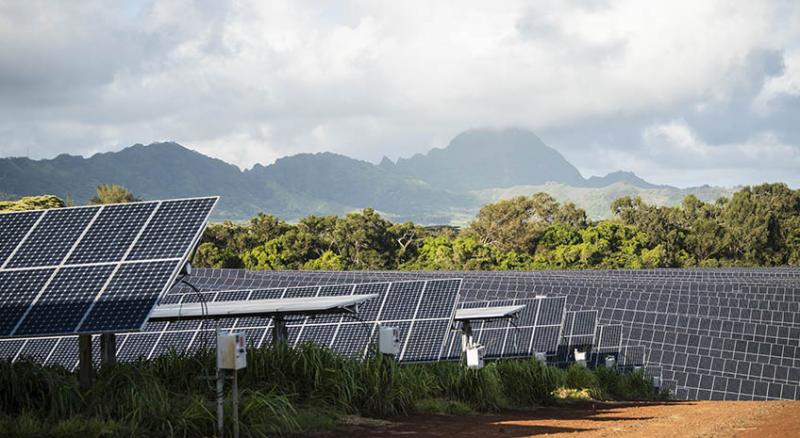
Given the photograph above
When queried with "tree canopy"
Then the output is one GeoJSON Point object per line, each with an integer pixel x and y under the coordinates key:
{"type": "Point", "coordinates": [758, 226]}
{"type": "Point", "coordinates": [112, 194]}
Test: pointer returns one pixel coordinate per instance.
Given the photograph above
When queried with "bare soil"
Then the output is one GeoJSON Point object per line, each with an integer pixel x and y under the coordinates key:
{"type": "Point", "coordinates": [590, 419]}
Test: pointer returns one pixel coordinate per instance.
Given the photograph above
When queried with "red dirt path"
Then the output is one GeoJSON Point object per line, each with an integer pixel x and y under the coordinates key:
{"type": "Point", "coordinates": [691, 419]}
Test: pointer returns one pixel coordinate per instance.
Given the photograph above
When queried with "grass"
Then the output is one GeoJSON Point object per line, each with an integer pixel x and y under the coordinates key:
{"type": "Point", "coordinates": [283, 391]}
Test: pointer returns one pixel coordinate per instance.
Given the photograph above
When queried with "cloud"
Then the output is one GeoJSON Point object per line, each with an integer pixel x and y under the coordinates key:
{"type": "Point", "coordinates": [250, 81]}
{"type": "Point", "coordinates": [677, 148]}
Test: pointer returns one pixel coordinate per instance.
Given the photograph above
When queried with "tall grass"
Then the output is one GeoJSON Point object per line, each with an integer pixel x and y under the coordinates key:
{"type": "Point", "coordinates": [283, 391]}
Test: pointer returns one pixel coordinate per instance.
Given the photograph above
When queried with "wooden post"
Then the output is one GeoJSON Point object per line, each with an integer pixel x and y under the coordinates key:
{"type": "Point", "coordinates": [108, 349]}
{"type": "Point", "coordinates": [85, 372]}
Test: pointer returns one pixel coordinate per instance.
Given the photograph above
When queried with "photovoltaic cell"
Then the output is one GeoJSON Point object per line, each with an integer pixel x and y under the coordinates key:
{"type": "Point", "coordinates": [19, 290]}
{"type": "Point", "coordinates": [112, 233]}
{"type": "Point", "coordinates": [15, 226]}
{"type": "Point", "coordinates": [64, 301]}
{"type": "Point", "coordinates": [127, 300]}
{"type": "Point", "coordinates": [173, 229]}
{"type": "Point", "coordinates": [52, 238]}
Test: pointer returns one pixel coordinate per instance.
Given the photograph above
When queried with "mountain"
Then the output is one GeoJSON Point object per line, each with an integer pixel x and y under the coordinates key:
{"type": "Point", "coordinates": [444, 186]}
{"type": "Point", "coordinates": [485, 158]}
{"type": "Point", "coordinates": [629, 178]}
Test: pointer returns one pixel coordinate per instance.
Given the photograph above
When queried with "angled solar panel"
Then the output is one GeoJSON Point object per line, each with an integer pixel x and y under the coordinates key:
{"type": "Point", "coordinates": [535, 329]}
{"type": "Point", "coordinates": [579, 328]}
{"type": "Point", "coordinates": [92, 269]}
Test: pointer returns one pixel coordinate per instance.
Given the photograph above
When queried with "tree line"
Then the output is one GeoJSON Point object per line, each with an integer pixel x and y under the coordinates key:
{"type": "Point", "coordinates": [757, 226]}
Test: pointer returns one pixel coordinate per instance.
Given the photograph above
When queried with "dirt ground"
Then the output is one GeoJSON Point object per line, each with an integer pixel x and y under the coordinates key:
{"type": "Point", "coordinates": [671, 419]}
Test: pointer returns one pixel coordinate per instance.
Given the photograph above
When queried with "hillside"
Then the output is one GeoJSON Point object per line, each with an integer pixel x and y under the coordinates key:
{"type": "Point", "coordinates": [445, 186]}
{"type": "Point", "coordinates": [596, 200]}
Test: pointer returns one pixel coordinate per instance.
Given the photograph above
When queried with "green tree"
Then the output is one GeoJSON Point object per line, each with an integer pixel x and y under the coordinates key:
{"type": "Point", "coordinates": [363, 241]}
{"type": "Point", "coordinates": [112, 194]}
{"type": "Point", "coordinates": [517, 224]}
{"type": "Point", "coordinates": [32, 203]}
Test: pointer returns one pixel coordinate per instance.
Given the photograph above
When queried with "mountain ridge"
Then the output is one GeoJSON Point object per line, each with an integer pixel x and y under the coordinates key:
{"type": "Point", "coordinates": [444, 186]}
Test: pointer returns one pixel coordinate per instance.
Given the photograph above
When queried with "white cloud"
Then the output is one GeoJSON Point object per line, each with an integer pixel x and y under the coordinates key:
{"type": "Point", "coordinates": [676, 147]}
{"type": "Point", "coordinates": [787, 84]}
{"type": "Point", "coordinates": [249, 81]}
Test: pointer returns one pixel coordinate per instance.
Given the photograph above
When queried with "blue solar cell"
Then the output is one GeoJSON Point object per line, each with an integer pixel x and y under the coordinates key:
{"type": "Point", "coordinates": [19, 289]}
{"type": "Point", "coordinates": [402, 301]}
{"type": "Point", "coordinates": [128, 298]}
{"type": "Point", "coordinates": [438, 299]}
{"type": "Point", "coordinates": [13, 228]}
{"type": "Point", "coordinates": [52, 238]}
{"type": "Point", "coordinates": [173, 229]}
{"type": "Point", "coordinates": [112, 233]}
{"type": "Point", "coordinates": [38, 349]}
{"type": "Point", "coordinates": [64, 302]}
{"type": "Point", "coordinates": [426, 341]}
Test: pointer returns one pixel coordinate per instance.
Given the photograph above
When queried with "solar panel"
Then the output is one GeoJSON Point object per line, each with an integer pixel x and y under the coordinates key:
{"type": "Point", "coordinates": [423, 327]}
{"type": "Point", "coordinates": [92, 269]}
{"type": "Point", "coordinates": [734, 330]}
{"type": "Point", "coordinates": [579, 328]}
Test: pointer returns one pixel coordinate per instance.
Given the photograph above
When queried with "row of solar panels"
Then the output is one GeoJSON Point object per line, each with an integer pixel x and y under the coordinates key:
{"type": "Point", "coordinates": [421, 310]}
{"type": "Point", "coordinates": [749, 349]}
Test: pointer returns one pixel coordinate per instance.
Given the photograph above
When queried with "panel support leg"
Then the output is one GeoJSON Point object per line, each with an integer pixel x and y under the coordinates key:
{"type": "Point", "coordinates": [85, 371]}
{"type": "Point", "coordinates": [220, 403]}
{"type": "Point", "coordinates": [108, 350]}
{"type": "Point", "coordinates": [466, 339]}
{"type": "Point", "coordinates": [279, 331]}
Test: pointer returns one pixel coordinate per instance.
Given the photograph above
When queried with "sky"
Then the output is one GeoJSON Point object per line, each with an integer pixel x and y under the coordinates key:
{"type": "Point", "coordinates": [680, 92]}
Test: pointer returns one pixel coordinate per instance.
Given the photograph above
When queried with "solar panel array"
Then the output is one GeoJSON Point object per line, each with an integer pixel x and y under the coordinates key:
{"type": "Point", "coordinates": [92, 269]}
{"type": "Point", "coordinates": [706, 333]}
{"type": "Point", "coordinates": [421, 310]}
{"type": "Point", "coordinates": [716, 333]}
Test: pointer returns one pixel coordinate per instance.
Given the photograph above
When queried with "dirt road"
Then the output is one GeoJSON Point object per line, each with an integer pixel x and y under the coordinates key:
{"type": "Point", "coordinates": [691, 419]}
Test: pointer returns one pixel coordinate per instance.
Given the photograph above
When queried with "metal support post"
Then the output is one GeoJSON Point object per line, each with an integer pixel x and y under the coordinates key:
{"type": "Point", "coordinates": [108, 349]}
{"type": "Point", "coordinates": [279, 331]}
{"type": "Point", "coordinates": [85, 372]}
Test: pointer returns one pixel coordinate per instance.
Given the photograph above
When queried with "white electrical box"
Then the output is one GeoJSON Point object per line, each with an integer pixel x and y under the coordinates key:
{"type": "Point", "coordinates": [475, 357]}
{"type": "Point", "coordinates": [231, 351]}
{"type": "Point", "coordinates": [657, 381]}
{"type": "Point", "coordinates": [611, 361]}
{"type": "Point", "coordinates": [389, 340]}
{"type": "Point", "coordinates": [580, 357]}
{"type": "Point", "coordinates": [540, 356]}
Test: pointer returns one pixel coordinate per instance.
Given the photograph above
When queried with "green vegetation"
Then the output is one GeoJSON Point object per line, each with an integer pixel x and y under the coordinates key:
{"type": "Point", "coordinates": [112, 194]}
{"type": "Point", "coordinates": [758, 226]}
{"type": "Point", "coordinates": [283, 391]}
{"type": "Point", "coordinates": [32, 203]}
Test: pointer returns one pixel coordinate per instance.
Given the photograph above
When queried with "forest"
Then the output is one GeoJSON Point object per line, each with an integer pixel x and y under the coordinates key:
{"type": "Point", "coordinates": [757, 226]}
